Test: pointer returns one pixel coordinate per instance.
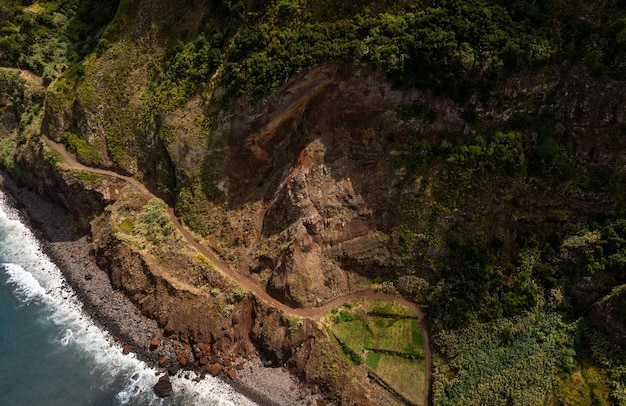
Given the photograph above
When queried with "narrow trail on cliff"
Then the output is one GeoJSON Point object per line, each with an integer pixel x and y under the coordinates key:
{"type": "Point", "coordinates": [311, 313]}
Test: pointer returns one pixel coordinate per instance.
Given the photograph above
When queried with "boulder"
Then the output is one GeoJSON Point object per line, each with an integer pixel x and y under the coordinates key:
{"type": "Point", "coordinates": [232, 374]}
{"type": "Point", "coordinates": [168, 330]}
{"type": "Point", "coordinates": [215, 369]}
{"type": "Point", "coordinates": [164, 361]}
{"type": "Point", "coordinates": [154, 344]}
{"type": "Point", "coordinates": [163, 387]}
{"type": "Point", "coordinates": [126, 349]}
{"type": "Point", "coordinates": [182, 360]}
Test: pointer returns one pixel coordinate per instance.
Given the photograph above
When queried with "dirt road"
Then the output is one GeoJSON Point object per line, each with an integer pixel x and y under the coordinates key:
{"type": "Point", "coordinates": [311, 312]}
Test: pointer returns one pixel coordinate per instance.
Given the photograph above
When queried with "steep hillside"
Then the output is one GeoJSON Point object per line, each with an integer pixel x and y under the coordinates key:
{"type": "Point", "coordinates": [466, 155]}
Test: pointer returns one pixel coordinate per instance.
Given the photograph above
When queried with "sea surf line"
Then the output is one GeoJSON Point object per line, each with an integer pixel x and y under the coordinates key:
{"type": "Point", "coordinates": [51, 351]}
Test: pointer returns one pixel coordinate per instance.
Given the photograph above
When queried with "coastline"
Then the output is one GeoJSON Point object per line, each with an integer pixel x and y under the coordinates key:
{"type": "Point", "coordinates": [112, 311]}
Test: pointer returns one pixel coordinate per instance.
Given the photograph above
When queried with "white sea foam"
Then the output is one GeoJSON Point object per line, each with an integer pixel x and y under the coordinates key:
{"type": "Point", "coordinates": [27, 288]}
{"type": "Point", "coordinates": [34, 278]}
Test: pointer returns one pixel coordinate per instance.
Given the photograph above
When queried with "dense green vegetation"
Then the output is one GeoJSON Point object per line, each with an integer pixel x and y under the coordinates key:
{"type": "Point", "coordinates": [501, 362]}
{"type": "Point", "coordinates": [21, 105]}
{"type": "Point", "coordinates": [506, 307]}
{"type": "Point", "coordinates": [513, 292]}
{"type": "Point", "coordinates": [47, 36]}
{"type": "Point", "coordinates": [452, 47]}
{"type": "Point", "coordinates": [153, 223]}
{"type": "Point", "coordinates": [485, 280]}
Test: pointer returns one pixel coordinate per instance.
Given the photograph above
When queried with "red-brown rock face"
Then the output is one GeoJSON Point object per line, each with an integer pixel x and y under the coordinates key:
{"type": "Point", "coordinates": [324, 223]}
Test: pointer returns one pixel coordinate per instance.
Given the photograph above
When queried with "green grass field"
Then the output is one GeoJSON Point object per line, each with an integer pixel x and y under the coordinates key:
{"type": "Point", "coordinates": [406, 376]}
{"type": "Point", "coordinates": [389, 338]}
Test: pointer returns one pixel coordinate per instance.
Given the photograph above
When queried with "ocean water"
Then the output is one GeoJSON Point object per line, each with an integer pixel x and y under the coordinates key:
{"type": "Point", "coordinates": [51, 353]}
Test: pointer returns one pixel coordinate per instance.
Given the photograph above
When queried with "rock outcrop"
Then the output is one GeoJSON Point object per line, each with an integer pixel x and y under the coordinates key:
{"type": "Point", "coordinates": [324, 228]}
{"type": "Point", "coordinates": [163, 388]}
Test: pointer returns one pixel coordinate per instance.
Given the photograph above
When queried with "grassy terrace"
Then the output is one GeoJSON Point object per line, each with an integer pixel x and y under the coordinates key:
{"type": "Point", "coordinates": [385, 336]}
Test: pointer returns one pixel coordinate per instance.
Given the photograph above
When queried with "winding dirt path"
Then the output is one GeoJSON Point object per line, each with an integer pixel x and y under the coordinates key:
{"type": "Point", "coordinates": [311, 313]}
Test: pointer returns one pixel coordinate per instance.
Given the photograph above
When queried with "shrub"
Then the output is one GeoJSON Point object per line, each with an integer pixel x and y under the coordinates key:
{"type": "Point", "coordinates": [344, 316]}
{"type": "Point", "coordinates": [238, 294]}
{"type": "Point", "coordinates": [499, 153]}
{"type": "Point", "coordinates": [489, 370]}
{"type": "Point", "coordinates": [7, 149]}
{"type": "Point", "coordinates": [153, 223]}
{"type": "Point", "coordinates": [127, 225]}
{"type": "Point", "coordinates": [478, 286]}
{"type": "Point", "coordinates": [228, 310]}
{"type": "Point", "coordinates": [352, 355]}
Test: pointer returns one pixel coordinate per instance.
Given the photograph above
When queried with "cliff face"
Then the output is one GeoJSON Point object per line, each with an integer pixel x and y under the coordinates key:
{"type": "Point", "coordinates": [193, 303]}
{"type": "Point", "coordinates": [197, 306]}
{"type": "Point", "coordinates": [324, 221]}
{"type": "Point", "coordinates": [295, 190]}
{"type": "Point", "coordinates": [337, 181]}
{"type": "Point", "coordinates": [284, 189]}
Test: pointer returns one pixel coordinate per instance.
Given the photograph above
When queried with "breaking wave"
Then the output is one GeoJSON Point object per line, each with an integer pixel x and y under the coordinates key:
{"type": "Point", "coordinates": [37, 284]}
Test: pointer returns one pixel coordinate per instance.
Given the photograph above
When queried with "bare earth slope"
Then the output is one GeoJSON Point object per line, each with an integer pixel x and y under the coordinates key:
{"type": "Point", "coordinates": [311, 313]}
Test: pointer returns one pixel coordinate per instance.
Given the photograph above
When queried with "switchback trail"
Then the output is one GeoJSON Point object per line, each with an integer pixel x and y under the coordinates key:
{"type": "Point", "coordinates": [311, 313]}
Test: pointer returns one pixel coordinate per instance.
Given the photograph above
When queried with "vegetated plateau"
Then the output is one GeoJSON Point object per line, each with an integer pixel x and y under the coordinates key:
{"type": "Point", "coordinates": [469, 156]}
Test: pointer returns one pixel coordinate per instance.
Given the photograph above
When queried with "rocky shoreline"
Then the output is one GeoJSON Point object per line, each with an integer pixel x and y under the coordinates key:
{"type": "Point", "coordinates": [115, 313]}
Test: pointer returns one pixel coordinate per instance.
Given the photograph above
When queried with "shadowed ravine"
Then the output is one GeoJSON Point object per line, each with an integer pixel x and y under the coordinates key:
{"type": "Point", "coordinates": [261, 294]}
